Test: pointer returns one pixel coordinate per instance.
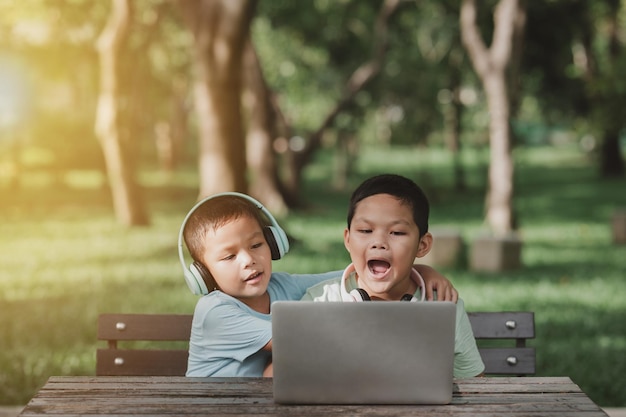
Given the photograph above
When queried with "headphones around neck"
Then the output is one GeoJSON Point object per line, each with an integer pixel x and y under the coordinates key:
{"type": "Point", "coordinates": [359, 294]}
{"type": "Point", "coordinates": [197, 274]}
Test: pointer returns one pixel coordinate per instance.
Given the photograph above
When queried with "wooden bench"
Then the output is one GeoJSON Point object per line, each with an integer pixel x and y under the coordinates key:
{"type": "Point", "coordinates": [118, 329]}
{"type": "Point", "coordinates": [126, 352]}
{"type": "Point", "coordinates": [517, 326]}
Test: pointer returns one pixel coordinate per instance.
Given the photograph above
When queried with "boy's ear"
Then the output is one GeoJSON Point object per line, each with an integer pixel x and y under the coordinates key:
{"type": "Point", "coordinates": [346, 239]}
{"type": "Point", "coordinates": [426, 243]}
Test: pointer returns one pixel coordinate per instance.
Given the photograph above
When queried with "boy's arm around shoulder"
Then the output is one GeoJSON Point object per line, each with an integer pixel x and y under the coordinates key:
{"type": "Point", "coordinates": [437, 282]}
{"type": "Point", "coordinates": [268, 372]}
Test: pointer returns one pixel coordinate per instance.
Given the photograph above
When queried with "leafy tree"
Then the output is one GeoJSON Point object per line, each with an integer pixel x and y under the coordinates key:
{"type": "Point", "coordinates": [340, 50]}
{"type": "Point", "coordinates": [575, 72]}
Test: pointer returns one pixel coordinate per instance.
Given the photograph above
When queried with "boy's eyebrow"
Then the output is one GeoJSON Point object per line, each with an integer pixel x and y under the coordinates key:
{"type": "Point", "coordinates": [392, 222]}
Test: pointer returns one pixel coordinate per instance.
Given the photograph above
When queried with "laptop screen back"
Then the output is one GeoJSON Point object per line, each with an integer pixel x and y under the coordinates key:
{"type": "Point", "coordinates": [390, 352]}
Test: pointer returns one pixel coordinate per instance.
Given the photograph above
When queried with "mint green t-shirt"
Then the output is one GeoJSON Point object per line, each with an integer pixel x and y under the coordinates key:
{"type": "Point", "coordinates": [467, 360]}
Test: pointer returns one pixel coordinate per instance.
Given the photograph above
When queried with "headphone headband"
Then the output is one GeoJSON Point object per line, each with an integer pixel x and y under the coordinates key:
{"type": "Point", "coordinates": [195, 273]}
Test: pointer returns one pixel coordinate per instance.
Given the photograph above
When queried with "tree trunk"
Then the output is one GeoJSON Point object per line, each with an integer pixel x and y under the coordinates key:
{"type": "Point", "coordinates": [128, 205]}
{"type": "Point", "coordinates": [264, 182]}
{"type": "Point", "coordinates": [220, 29]}
{"type": "Point", "coordinates": [345, 158]}
{"type": "Point", "coordinates": [500, 194]}
{"type": "Point", "coordinates": [170, 134]}
{"type": "Point", "coordinates": [491, 65]}
{"type": "Point", "coordinates": [179, 119]}
{"type": "Point", "coordinates": [611, 160]}
{"type": "Point", "coordinates": [452, 114]}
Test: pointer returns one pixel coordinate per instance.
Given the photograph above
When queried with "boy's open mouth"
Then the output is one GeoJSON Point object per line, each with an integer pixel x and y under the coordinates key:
{"type": "Point", "coordinates": [253, 276]}
{"type": "Point", "coordinates": [378, 267]}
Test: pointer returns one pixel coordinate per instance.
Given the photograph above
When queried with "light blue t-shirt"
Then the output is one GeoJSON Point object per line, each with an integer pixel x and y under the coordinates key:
{"type": "Point", "coordinates": [467, 360]}
{"type": "Point", "coordinates": [227, 336]}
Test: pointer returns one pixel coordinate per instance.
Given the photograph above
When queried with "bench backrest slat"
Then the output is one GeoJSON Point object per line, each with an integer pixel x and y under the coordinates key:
{"type": "Point", "coordinates": [144, 362]}
{"type": "Point", "coordinates": [113, 328]}
{"type": "Point", "coordinates": [116, 328]}
{"type": "Point", "coordinates": [144, 326]}
{"type": "Point", "coordinates": [517, 326]}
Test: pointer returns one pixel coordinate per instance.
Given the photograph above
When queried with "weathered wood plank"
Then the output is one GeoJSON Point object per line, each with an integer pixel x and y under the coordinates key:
{"type": "Point", "coordinates": [163, 396]}
{"type": "Point", "coordinates": [492, 385]}
{"type": "Point", "coordinates": [249, 407]}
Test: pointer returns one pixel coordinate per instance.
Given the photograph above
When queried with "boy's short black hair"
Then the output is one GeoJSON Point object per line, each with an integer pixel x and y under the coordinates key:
{"type": "Point", "coordinates": [398, 186]}
{"type": "Point", "coordinates": [213, 214]}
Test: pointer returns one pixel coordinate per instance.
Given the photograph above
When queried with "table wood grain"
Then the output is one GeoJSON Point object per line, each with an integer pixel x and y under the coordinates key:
{"type": "Point", "coordinates": [166, 396]}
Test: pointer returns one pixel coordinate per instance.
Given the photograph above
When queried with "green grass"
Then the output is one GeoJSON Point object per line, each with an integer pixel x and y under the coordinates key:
{"type": "Point", "coordinates": [64, 260]}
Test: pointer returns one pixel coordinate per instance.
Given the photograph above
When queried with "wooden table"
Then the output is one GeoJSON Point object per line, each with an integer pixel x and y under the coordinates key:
{"type": "Point", "coordinates": [162, 396]}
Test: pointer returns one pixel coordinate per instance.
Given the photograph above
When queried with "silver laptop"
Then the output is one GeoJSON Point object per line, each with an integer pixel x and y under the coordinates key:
{"type": "Point", "coordinates": [379, 352]}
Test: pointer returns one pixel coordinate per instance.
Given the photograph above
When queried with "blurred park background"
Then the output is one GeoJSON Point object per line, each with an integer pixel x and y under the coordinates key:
{"type": "Point", "coordinates": [116, 116]}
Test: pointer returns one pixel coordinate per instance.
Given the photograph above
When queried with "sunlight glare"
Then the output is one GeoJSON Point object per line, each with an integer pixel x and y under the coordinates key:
{"type": "Point", "coordinates": [14, 94]}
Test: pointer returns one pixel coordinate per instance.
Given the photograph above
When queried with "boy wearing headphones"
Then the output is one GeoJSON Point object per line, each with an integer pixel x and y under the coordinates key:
{"type": "Point", "coordinates": [388, 229]}
{"type": "Point", "coordinates": [233, 245]}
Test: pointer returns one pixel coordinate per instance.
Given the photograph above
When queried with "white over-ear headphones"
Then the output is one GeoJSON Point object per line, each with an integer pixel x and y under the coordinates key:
{"type": "Point", "coordinates": [196, 273]}
{"type": "Point", "coordinates": [359, 294]}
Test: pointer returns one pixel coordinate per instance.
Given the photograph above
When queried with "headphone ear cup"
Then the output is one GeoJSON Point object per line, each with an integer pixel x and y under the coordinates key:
{"type": "Point", "coordinates": [359, 294]}
{"type": "Point", "coordinates": [196, 278]}
{"type": "Point", "coordinates": [277, 241]}
{"type": "Point", "coordinates": [408, 297]}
